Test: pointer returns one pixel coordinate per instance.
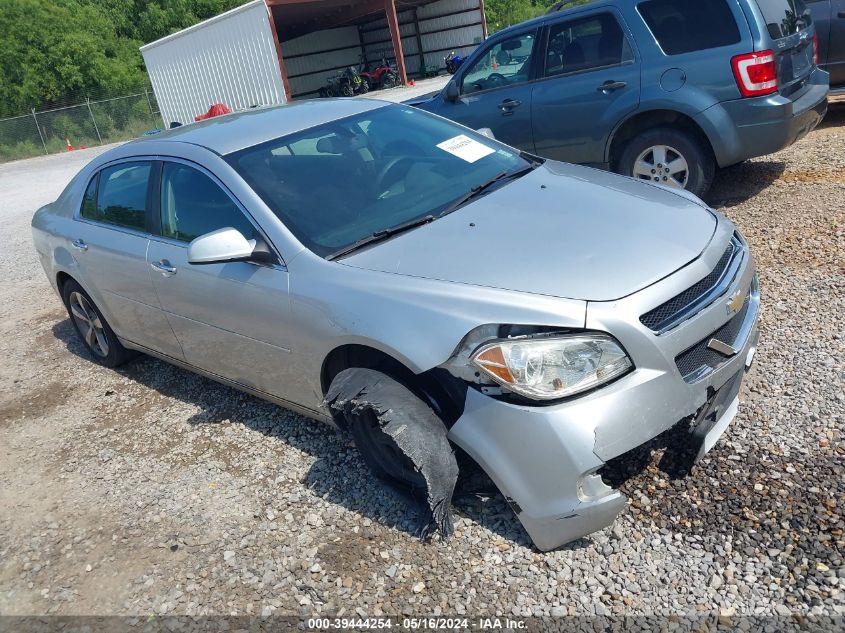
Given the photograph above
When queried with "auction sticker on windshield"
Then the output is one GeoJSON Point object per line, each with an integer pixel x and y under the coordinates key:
{"type": "Point", "coordinates": [465, 148]}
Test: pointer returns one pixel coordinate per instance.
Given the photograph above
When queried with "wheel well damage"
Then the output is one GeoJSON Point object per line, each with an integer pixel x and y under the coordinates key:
{"type": "Point", "coordinates": [414, 427]}
{"type": "Point", "coordinates": [442, 391]}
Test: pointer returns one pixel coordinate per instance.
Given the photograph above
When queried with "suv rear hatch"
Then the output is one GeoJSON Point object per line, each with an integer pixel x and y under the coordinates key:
{"type": "Point", "coordinates": [789, 25]}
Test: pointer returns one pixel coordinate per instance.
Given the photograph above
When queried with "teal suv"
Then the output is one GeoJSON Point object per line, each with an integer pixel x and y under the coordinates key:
{"type": "Point", "coordinates": [665, 91]}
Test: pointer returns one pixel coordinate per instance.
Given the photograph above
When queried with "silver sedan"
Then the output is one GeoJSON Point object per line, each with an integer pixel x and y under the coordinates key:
{"type": "Point", "coordinates": [421, 286]}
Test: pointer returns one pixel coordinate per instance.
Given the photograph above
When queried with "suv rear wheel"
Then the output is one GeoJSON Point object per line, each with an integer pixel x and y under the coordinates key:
{"type": "Point", "coordinates": [669, 157]}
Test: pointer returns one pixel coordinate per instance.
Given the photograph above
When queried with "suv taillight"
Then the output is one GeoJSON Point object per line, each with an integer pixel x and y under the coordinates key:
{"type": "Point", "coordinates": [815, 49]}
{"type": "Point", "coordinates": [756, 73]}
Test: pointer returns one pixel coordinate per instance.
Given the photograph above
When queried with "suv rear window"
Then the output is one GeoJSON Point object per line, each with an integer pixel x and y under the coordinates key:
{"type": "Point", "coordinates": [594, 42]}
{"type": "Point", "coordinates": [684, 26]}
{"type": "Point", "coordinates": [784, 17]}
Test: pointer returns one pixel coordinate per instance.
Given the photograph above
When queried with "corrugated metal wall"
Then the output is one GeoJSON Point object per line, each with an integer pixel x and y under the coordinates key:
{"type": "Point", "coordinates": [377, 42]}
{"type": "Point", "coordinates": [311, 59]}
{"type": "Point", "coordinates": [444, 26]}
{"type": "Point", "coordinates": [228, 59]}
{"type": "Point", "coordinates": [232, 58]}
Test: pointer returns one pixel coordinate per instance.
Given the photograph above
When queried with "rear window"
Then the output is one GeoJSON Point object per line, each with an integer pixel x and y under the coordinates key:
{"type": "Point", "coordinates": [594, 42]}
{"type": "Point", "coordinates": [684, 26]}
{"type": "Point", "coordinates": [121, 197]}
{"type": "Point", "coordinates": [89, 202]}
{"type": "Point", "coordinates": [784, 17]}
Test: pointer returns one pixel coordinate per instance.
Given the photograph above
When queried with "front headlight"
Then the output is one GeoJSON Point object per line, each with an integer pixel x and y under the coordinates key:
{"type": "Point", "coordinates": [552, 367]}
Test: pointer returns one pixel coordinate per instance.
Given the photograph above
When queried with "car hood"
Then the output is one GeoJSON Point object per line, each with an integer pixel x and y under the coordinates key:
{"type": "Point", "coordinates": [561, 230]}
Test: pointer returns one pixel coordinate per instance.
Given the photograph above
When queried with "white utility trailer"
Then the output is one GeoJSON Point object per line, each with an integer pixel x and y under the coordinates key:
{"type": "Point", "coordinates": [230, 59]}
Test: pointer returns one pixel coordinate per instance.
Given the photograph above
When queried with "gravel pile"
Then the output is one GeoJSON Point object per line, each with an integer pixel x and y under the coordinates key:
{"type": "Point", "coordinates": [150, 490]}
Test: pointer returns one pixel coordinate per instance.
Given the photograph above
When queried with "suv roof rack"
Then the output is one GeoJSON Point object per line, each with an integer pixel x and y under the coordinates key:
{"type": "Point", "coordinates": [565, 4]}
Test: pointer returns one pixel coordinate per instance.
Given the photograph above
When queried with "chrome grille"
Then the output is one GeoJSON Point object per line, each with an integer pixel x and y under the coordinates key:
{"type": "Point", "coordinates": [700, 359]}
{"type": "Point", "coordinates": [698, 296]}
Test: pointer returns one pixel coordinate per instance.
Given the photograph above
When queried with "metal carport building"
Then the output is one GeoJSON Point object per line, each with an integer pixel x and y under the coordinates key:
{"type": "Point", "coordinates": [267, 52]}
{"type": "Point", "coordinates": [320, 37]}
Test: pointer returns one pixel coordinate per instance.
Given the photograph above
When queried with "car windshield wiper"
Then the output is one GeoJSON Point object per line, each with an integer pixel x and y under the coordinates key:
{"type": "Point", "coordinates": [382, 234]}
{"type": "Point", "coordinates": [479, 189]}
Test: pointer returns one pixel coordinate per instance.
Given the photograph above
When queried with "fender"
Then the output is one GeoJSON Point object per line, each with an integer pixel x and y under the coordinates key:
{"type": "Point", "coordinates": [689, 101]}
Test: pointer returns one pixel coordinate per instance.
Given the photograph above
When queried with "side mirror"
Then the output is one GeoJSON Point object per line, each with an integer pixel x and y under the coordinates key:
{"type": "Point", "coordinates": [451, 93]}
{"type": "Point", "coordinates": [222, 245]}
{"type": "Point", "coordinates": [486, 131]}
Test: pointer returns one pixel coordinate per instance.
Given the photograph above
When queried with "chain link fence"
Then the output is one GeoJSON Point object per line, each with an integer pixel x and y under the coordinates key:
{"type": "Point", "coordinates": [81, 125]}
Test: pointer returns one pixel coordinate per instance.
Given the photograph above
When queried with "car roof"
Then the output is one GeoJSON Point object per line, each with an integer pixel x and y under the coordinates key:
{"type": "Point", "coordinates": [232, 132]}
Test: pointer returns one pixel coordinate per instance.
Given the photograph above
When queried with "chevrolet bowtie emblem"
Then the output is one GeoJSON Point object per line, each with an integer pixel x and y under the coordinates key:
{"type": "Point", "coordinates": [735, 303]}
{"type": "Point", "coordinates": [723, 348]}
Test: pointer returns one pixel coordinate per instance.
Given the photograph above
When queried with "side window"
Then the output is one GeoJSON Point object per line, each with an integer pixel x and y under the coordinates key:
{"type": "Point", "coordinates": [89, 200]}
{"type": "Point", "coordinates": [506, 63]}
{"type": "Point", "coordinates": [684, 27]}
{"type": "Point", "coordinates": [594, 42]}
{"type": "Point", "coordinates": [192, 205]}
{"type": "Point", "coordinates": [121, 196]}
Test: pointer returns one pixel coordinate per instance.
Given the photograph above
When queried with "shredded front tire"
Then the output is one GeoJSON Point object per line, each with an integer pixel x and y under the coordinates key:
{"type": "Point", "coordinates": [368, 397]}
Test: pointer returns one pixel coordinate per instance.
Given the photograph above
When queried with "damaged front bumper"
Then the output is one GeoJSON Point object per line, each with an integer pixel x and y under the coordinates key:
{"type": "Point", "coordinates": [546, 459]}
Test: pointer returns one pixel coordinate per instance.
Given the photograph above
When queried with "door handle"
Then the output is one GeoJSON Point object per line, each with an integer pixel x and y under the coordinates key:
{"type": "Point", "coordinates": [164, 268]}
{"type": "Point", "coordinates": [610, 86]}
{"type": "Point", "coordinates": [841, 14]}
{"type": "Point", "coordinates": [507, 106]}
{"type": "Point", "coordinates": [79, 245]}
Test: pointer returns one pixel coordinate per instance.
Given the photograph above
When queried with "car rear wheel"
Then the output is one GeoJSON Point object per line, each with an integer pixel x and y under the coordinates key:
{"type": "Point", "coordinates": [669, 157]}
{"type": "Point", "coordinates": [93, 329]}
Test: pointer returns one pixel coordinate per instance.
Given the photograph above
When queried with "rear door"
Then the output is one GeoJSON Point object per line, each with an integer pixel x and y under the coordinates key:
{"type": "Point", "coordinates": [110, 240]}
{"type": "Point", "coordinates": [788, 24]}
{"type": "Point", "coordinates": [495, 91]}
{"type": "Point", "coordinates": [590, 81]}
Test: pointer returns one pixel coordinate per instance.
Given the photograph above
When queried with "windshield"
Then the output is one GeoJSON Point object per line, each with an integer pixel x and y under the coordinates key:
{"type": "Point", "coordinates": [339, 183]}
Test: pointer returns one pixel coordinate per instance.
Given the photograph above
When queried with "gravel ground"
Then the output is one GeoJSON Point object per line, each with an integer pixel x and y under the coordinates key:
{"type": "Point", "coordinates": [403, 93]}
{"type": "Point", "coordinates": [152, 490]}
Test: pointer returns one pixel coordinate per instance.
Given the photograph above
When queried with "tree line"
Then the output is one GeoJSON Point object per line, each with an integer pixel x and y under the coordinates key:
{"type": "Point", "coordinates": [56, 52]}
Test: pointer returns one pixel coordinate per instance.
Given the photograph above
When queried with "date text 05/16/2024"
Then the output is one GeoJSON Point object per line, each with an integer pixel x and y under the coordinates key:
{"type": "Point", "coordinates": [414, 624]}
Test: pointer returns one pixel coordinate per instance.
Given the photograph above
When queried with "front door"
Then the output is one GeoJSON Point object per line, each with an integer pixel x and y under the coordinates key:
{"type": "Point", "coordinates": [230, 317]}
{"type": "Point", "coordinates": [495, 91]}
{"type": "Point", "coordinates": [590, 81]}
{"type": "Point", "coordinates": [110, 242]}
